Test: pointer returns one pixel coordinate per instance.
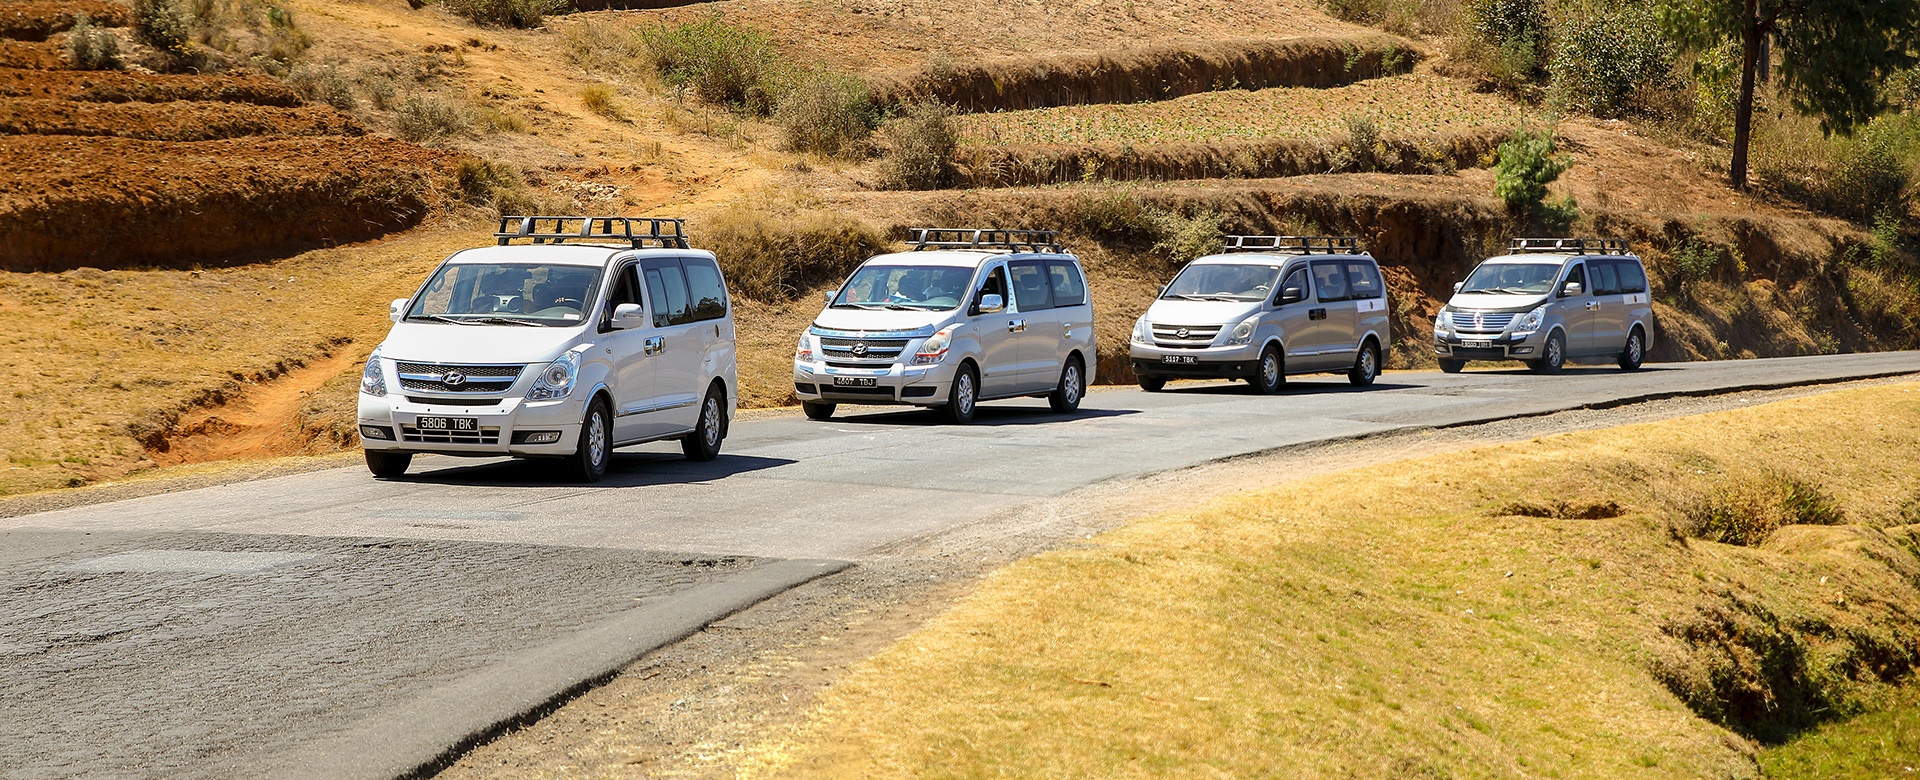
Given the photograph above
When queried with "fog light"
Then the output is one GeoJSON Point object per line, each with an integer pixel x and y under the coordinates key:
{"type": "Point", "coordinates": [376, 432]}
{"type": "Point", "coordinates": [539, 437]}
{"type": "Point", "coordinates": [1523, 350]}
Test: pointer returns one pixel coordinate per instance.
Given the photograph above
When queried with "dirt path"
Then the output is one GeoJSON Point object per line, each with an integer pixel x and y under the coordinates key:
{"type": "Point", "coordinates": [265, 421]}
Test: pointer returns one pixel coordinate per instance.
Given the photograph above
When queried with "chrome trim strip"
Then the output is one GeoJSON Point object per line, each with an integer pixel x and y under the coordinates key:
{"type": "Point", "coordinates": [654, 408]}
{"type": "Point", "coordinates": [871, 334]}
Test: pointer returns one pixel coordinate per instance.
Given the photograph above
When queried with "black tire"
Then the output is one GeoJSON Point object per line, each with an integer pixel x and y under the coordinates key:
{"type": "Point", "coordinates": [1552, 357]}
{"type": "Point", "coordinates": [594, 448]}
{"type": "Point", "coordinates": [818, 410]}
{"type": "Point", "coordinates": [1451, 366]}
{"type": "Point", "coordinates": [704, 443]}
{"type": "Point", "coordinates": [388, 465]}
{"type": "Point", "coordinates": [1066, 395]}
{"type": "Point", "coordinates": [1152, 384]}
{"type": "Point", "coordinates": [1635, 352]}
{"type": "Point", "coordinates": [963, 396]}
{"type": "Point", "coordinates": [1366, 365]}
{"type": "Point", "coordinates": [1270, 376]}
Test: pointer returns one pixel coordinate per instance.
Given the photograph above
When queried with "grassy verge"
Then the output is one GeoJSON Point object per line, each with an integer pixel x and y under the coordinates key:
{"type": "Point", "coordinates": [1879, 744]}
{"type": "Point", "coordinates": [1533, 609]}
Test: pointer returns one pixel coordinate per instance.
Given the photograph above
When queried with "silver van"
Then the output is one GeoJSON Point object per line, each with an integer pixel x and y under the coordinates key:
{"type": "Point", "coordinates": [1549, 301]}
{"type": "Point", "coordinates": [1264, 308]}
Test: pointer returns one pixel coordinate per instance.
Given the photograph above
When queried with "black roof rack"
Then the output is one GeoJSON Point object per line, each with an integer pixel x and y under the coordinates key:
{"type": "Point", "coordinates": [1569, 246]}
{"type": "Point", "coordinates": [989, 238]}
{"type": "Point", "coordinates": [656, 233]}
{"type": "Point", "coordinates": [1295, 245]}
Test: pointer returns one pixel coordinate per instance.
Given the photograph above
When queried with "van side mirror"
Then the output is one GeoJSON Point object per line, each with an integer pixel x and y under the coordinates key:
{"type": "Point", "coordinates": [829, 297]}
{"type": "Point", "coordinates": [992, 303]}
{"type": "Point", "coordinates": [1162, 292]}
{"type": "Point", "coordinates": [397, 310]}
{"type": "Point", "coordinates": [1572, 289]}
{"type": "Point", "coordinates": [1292, 295]}
{"type": "Point", "coordinates": [628, 315]}
{"type": "Point", "coordinates": [1458, 285]}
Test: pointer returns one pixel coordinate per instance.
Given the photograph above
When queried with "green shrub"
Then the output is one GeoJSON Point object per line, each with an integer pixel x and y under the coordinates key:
{"type": "Point", "coordinates": [424, 118]}
{"type": "Point", "coordinates": [1527, 165]}
{"type": "Point", "coordinates": [1363, 150]}
{"type": "Point", "coordinates": [775, 257]}
{"type": "Point", "coordinates": [1603, 54]}
{"type": "Point", "coordinates": [482, 182]}
{"type": "Point", "coordinates": [508, 13]}
{"type": "Point", "coordinates": [718, 62]}
{"type": "Point", "coordinates": [286, 40]}
{"type": "Point", "coordinates": [827, 113]}
{"type": "Point", "coordinates": [1746, 512]}
{"type": "Point", "coordinates": [1184, 238]}
{"type": "Point", "coordinates": [164, 25]}
{"type": "Point", "coordinates": [920, 146]}
{"type": "Point", "coordinates": [1873, 172]}
{"type": "Point", "coordinates": [90, 47]}
{"type": "Point", "coordinates": [1115, 217]}
{"type": "Point", "coordinates": [1512, 36]}
{"type": "Point", "coordinates": [1694, 261]}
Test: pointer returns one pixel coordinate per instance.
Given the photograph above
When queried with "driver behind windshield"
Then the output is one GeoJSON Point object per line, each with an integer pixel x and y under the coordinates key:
{"type": "Point", "coordinates": [1232, 282]}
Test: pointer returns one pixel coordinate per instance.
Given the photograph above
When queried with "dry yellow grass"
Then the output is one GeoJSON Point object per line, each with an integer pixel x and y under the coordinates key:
{"type": "Point", "coordinates": [1403, 622]}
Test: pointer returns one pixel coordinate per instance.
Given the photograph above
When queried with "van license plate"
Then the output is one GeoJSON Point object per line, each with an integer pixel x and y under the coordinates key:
{"type": "Point", "coordinates": [448, 423]}
{"type": "Point", "coordinates": [1182, 359]}
{"type": "Point", "coordinates": [855, 381]}
{"type": "Point", "coordinates": [1476, 343]}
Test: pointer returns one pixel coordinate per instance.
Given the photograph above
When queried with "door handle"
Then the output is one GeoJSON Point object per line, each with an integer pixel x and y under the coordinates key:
{"type": "Point", "coordinates": [654, 345]}
{"type": "Point", "coordinates": [1316, 314]}
{"type": "Point", "coordinates": [1016, 326]}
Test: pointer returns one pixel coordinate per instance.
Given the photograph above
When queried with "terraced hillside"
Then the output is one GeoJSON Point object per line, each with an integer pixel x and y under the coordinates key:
{"type": "Point", "coordinates": [1127, 126]}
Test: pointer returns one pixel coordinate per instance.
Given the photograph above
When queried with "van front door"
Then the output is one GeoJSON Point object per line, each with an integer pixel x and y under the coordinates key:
{"type": "Point", "coordinates": [678, 349]}
{"type": "Point", "coordinates": [1608, 318]}
{"type": "Point", "coordinates": [1330, 320]}
{"type": "Point", "coordinates": [1576, 311]}
{"type": "Point", "coordinates": [1000, 333]}
{"type": "Point", "coordinates": [632, 375]}
{"type": "Point", "coordinates": [1040, 343]}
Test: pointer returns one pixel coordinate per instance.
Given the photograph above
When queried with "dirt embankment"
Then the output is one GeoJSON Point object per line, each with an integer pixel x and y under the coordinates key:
{"type": "Point", "coordinates": [1033, 165]}
{"type": "Point", "coordinates": [175, 121]}
{"type": "Point", "coordinates": [1152, 73]}
{"type": "Point", "coordinates": [121, 87]}
{"type": "Point", "coordinates": [34, 20]}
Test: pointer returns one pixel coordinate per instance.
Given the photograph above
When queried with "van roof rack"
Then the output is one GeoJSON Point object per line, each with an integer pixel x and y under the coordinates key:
{"type": "Point", "coordinates": [654, 232]}
{"type": "Point", "coordinates": [1295, 245]}
{"type": "Point", "coordinates": [986, 238]}
{"type": "Point", "coordinates": [1569, 246]}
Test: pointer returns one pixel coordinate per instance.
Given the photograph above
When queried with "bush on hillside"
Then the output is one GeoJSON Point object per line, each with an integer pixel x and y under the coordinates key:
{"type": "Point", "coordinates": [775, 257]}
{"type": "Point", "coordinates": [1875, 171]}
{"type": "Point", "coordinates": [1746, 512]}
{"type": "Point", "coordinates": [1526, 166]}
{"type": "Point", "coordinates": [286, 39]}
{"type": "Point", "coordinates": [1511, 36]}
{"type": "Point", "coordinates": [718, 62]}
{"type": "Point", "coordinates": [827, 113]}
{"type": "Point", "coordinates": [164, 25]}
{"type": "Point", "coordinates": [1185, 238]}
{"type": "Point", "coordinates": [483, 182]}
{"type": "Point", "coordinates": [90, 47]}
{"type": "Point", "coordinates": [1604, 54]}
{"type": "Point", "coordinates": [324, 84]}
{"type": "Point", "coordinates": [599, 98]}
{"type": "Point", "coordinates": [507, 13]}
{"type": "Point", "coordinates": [920, 146]}
{"type": "Point", "coordinates": [425, 118]}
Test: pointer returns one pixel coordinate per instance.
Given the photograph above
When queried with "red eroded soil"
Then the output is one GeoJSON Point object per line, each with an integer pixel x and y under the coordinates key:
{"type": "Point", "coordinates": [34, 20]}
{"type": "Point", "coordinates": [123, 87]}
{"type": "Point", "coordinates": [174, 121]}
{"type": "Point", "coordinates": [41, 55]}
{"type": "Point", "coordinates": [67, 201]}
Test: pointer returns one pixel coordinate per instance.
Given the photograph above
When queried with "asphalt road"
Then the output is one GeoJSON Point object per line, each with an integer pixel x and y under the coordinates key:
{"type": "Point", "coordinates": [330, 625]}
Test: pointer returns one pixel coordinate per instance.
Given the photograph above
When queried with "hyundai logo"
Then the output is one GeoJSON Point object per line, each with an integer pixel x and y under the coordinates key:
{"type": "Point", "coordinates": [1182, 333]}
{"type": "Point", "coordinates": [859, 349]}
{"type": "Point", "coordinates": [453, 379]}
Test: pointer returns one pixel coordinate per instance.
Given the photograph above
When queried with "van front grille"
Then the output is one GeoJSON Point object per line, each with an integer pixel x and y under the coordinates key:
{"type": "Point", "coordinates": [438, 378]}
{"type": "Point", "coordinates": [1481, 321]}
{"type": "Point", "coordinates": [1184, 336]}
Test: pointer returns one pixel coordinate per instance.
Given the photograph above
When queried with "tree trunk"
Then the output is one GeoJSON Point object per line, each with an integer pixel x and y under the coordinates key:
{"type": "Point", "coordinates": [1743, 111]}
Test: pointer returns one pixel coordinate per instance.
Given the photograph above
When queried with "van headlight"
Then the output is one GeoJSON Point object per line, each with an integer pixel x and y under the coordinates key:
{"type": "Point", "coordinates": [1527, 324]}
{"type": "Point", "coordinates": [934, 349]}
{"type": "Point", "coordinates": [803, 351]}
{"type": "Point", "coordinates": [1142, 332]}
{"type": "Point", "coordinates": [1443, 322]}
{"type": "Point", "coordinates": [556, 380]}
{"type": "Point", "coordinates": [373, 380]}
{"type": "Point", "coordinates": [1243, 332]}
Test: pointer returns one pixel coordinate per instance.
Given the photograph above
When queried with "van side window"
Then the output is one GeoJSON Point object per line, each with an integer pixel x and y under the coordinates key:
{"type": "Point", "coordinates": [626, 289]}
{"type": "Point", "coordinates": [667, 288]}
{"type": "Point", "coordinates": [1633, 278]}
{"type": "Point", "coordinates": [1068, 288]}
{"type": "Point", "coordinates": [996, 284]}
{"type": "Point", "coordinates": [1030, 288]}
{"type": "Point", "coordinates": [1330, 279]}
{"type": "Point", "coordinates": [1364, 278]}
{"type": "Point", "coordinates": [1578, 274]}
{"type": "Point", "coordinates": [1296, 280]}
{"type": "Point", "coordinates": [708, 293]}
{"type": "Point", "coordinates": [1605, 281]}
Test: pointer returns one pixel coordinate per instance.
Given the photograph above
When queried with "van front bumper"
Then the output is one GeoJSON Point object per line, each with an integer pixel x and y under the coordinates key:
{"type": "Point", "coordinates": [514, 426]}
{"type": "Point", "coordinates": [894, 384]}
{"type": "Point", "coordinates": [1233, 362]}
{"type": "Point", "coordinates": [1498, 347]}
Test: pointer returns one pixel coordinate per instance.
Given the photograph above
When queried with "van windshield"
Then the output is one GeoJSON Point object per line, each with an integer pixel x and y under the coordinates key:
{"type": "Point", "coordinates": [1222, 282]}
{"type": "Point", "coordinates": [932, 288]}
{"type": "Point", "coordinates": [1511, 278]}
{"type": "Point", "coordinates": [554, 296]}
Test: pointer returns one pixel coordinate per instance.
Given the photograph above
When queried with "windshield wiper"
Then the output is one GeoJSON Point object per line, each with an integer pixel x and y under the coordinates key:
{"type": "Point", "coordinates": [1187, 297]}
{"type": "Point", "coordinates": [509, 321]}
{"type": "Point", "coordinates": [438, 318]}
{"type": "Point", "coordinates": [866, 306]}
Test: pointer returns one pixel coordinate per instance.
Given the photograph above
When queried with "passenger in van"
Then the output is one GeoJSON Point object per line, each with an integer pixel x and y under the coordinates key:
{"type": "Point", "coordinates": [501, 292]}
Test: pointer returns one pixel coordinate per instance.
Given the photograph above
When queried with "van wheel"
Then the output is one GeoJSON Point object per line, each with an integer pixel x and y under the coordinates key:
{"type": "Point", "coordinates": [1635, 352]}
{"type": "Point", "coordinates": [1553, 357]}
{"type": "Point", "coordinates": [1451, 366]}
{"type": "Point", "coordinates": [1065, 397]}
{"type": "Point", "coordinates": [388, 465]}
{"type": "Point", "coordinates": [962, 397]}
{"type": "Point", "coordinates": [816, 410]}
{"type": "Point", "coordinates": [588, 463]}
{"type": "Point", "coordinates": [1271, 376]}
{"type": "Point", "coordinates": [1366, 366]}
{"type": "Point", "coordinates": [1152, 384]}
{"type": "Point", "coordinates": [704, 443]}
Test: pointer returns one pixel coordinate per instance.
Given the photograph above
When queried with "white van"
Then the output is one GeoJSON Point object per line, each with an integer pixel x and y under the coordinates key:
{"type": "Point", "coordinates": [1549, 302]}
{"type": "Point", "coordinates": [965, 316]}
{"type": "Point", "coordinates": [1264, 308]}
{"type": "Point", "coordinates": [589, 334]}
